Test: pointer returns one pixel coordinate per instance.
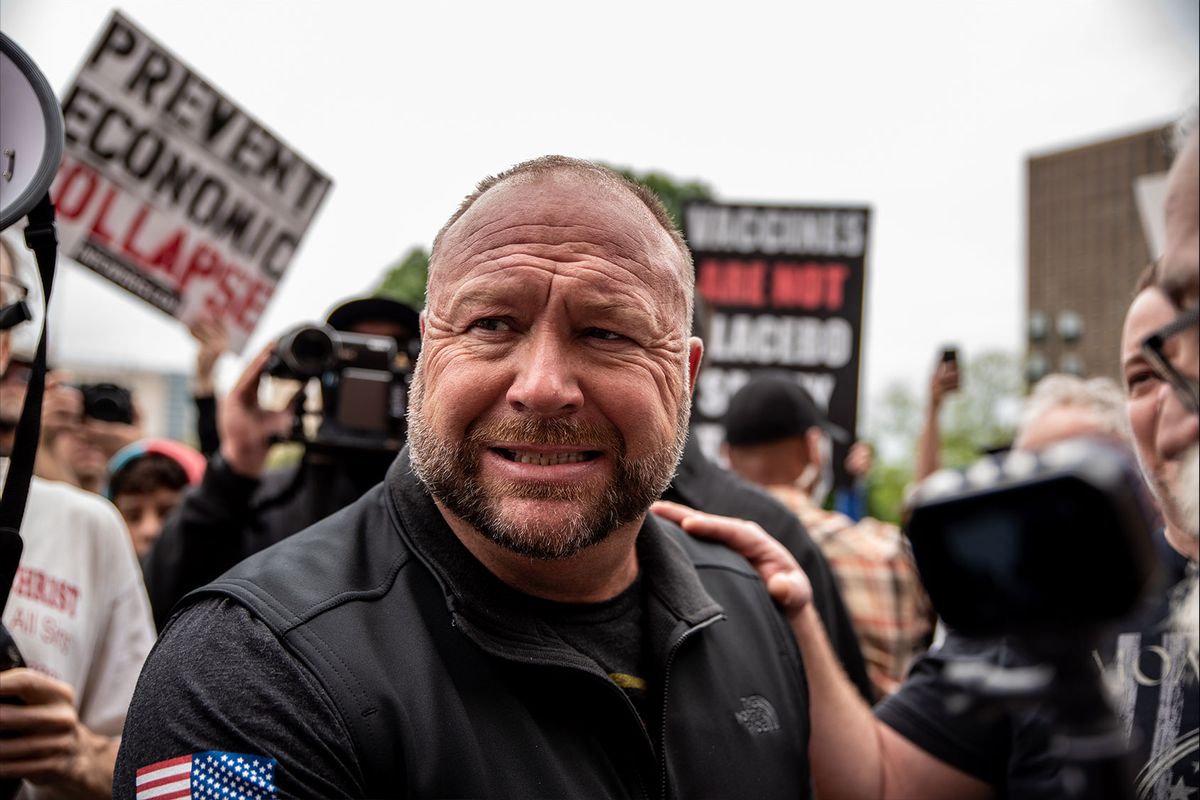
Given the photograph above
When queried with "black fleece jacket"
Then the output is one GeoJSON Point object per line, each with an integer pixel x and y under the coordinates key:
{"type": "Point", "coordinates": [373, 656]}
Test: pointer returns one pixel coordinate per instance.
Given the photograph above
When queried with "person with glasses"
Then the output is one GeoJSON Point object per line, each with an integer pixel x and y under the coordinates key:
{"type": "Point", "coordinates": [16, 374]}
{"type": "Point", "coordinates": [1154, 330]}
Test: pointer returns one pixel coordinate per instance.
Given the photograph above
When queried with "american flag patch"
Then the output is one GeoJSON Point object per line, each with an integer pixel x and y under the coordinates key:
{"type": "Point", "coordinates": [228, 776]}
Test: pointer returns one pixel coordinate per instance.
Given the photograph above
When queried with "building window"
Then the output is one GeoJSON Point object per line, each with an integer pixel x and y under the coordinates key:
{"type": "Point", "coordinates": [1037, 326]}
{"type": "Point", "coordinates": [1070, 326]}
{"type": "Point", "coordinates": [1071, 364]}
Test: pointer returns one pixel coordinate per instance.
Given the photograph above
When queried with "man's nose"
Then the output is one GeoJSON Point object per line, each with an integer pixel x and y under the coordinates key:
{"type": "Point", "coordinates": [149, 524]}
{"type": "Point", "coordinates": [546, 380]}
{"type": "Point", "coordinates": [1178, 426]}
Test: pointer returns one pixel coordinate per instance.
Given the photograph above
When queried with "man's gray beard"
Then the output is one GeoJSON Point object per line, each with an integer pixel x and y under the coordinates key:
{"type": "Point", "coordinates": [1185, 494]}
{"type": "Point", "coordinates": [450, 472]}
{"type": "Point", "coordinates": [1180, 501]}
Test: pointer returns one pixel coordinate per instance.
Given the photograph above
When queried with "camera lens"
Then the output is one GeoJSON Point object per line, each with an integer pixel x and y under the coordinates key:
{"type": "Point", "coordinates": [107, 402]}
{"type": "Point", "coordinates": [309, 351]}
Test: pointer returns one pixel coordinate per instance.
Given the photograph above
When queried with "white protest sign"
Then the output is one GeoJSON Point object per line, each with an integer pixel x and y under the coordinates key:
{"type": "Point", "coordinates": [174, 192]}
{"type": "Point", "coordinates": [1150, 192]}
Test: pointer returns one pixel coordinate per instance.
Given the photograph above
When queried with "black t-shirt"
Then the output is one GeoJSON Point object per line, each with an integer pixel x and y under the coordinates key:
{"type": "Point", "coordinates": [610, 633]}
{"type": "Point", "coordinates": [1152, 685]}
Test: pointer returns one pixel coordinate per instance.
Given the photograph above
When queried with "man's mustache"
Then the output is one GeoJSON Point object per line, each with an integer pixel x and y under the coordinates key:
{"type": "Point", "coordinates": [553, 432]}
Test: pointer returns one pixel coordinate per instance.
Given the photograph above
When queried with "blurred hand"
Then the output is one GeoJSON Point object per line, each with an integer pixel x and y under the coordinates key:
{"type": "Point", "coordinates": [786, 582]}
{"type": "Point", "coordinates": [213, 340]}
{"type": "Point", "coordinates": [62, 405]}
{"type": "Point", "coordinates": [43, 741]}
{"type": "Point", "coordinates": [247, 429]}
{"type": "Point", "coordinates": [109, 437]}
{"type": "Point", "coordinates": [860, 459]}
{"type": "Point", "coordinates": [14, 385]}
{"type": "Point", "coordinates": [62, 413]}
{"type": "Point", "coordinates": [944, 381]}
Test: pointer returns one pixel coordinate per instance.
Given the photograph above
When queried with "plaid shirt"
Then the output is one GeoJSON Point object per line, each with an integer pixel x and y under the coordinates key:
{"type": "Point", "coordinates": [875, 570]}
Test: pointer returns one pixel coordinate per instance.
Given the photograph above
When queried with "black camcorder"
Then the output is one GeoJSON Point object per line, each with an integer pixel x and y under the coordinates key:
{"type": "Point", "coordinates": [1027, 544]}
{"type": "Point", "coordinates": [364, 385]}
{"type": "Point", "coordinates": [1048, 551]}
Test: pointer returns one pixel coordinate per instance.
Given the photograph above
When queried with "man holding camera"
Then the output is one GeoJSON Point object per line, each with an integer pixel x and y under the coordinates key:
{"type": "Point", "coordinates": [241, 507]}
{"type": "Point", "coordinates": [501, 617]}
{"type": "Point", "coordinates": [83, 426]}
{"type": "Point", "coordinates": [916, 744]}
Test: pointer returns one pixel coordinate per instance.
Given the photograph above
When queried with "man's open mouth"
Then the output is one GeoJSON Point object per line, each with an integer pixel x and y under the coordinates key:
{"type": "Point", "coordinates": [547, 459]}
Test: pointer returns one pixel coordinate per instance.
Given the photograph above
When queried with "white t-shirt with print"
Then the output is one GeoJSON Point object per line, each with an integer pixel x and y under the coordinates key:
{"type": "Point", "coordinates": [78, 609]}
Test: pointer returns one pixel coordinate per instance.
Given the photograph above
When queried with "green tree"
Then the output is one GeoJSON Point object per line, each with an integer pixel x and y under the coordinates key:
{"type": "Point", "coordinates": [405, 280]}
{"type": "Point", "coordinates": [979, 417]}
{"type": "Point", "coordinates": [673, 193]}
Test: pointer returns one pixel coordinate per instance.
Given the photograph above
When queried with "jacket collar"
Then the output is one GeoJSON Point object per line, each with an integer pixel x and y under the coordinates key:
{"type": "Point", "coordinates": [499, 617]}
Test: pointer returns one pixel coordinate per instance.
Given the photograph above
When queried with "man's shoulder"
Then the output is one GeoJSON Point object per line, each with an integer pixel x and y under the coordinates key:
{"type": "Point", "coordinates": [355, 553]}
{"type": "Point", "coordinates": [710, 488]}
{"type": "Point", "coordinates": [704, 554]}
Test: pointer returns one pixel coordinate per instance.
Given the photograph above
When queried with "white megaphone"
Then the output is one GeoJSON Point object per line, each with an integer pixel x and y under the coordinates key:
{"type": "Point", "coordinates": [31, 133]}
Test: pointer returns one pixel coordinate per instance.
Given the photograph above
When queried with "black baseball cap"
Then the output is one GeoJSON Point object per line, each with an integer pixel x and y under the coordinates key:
{"type": "Point", "coordinates": [374, 309]}
{"type": "Point", "coordinates": [772, 407]}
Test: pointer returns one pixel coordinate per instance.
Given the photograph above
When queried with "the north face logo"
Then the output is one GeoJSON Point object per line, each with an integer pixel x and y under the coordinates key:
{"type": "Point", "coordinates": [757, 715]}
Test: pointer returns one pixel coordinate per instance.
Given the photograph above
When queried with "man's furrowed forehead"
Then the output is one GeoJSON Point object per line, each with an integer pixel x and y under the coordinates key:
{"type": "Point", "coordinates": [559, 210]}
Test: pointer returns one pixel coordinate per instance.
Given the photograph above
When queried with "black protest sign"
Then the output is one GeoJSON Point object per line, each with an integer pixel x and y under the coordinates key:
{"type": "Point", "coordinates": [784, 287]}
{"type": "Point", "coordinates": [174, 192]}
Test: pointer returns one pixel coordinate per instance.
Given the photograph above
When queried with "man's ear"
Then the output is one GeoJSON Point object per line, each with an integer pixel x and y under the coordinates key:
{"type": "Point", "coordinates": [695, 356]}
{"type": "Point", "coordinates": [421, 320]}
{"type": "Point", "coordinates": [812, 446]}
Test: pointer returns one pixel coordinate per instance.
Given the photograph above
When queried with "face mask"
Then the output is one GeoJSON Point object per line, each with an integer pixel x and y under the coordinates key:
{"type": "Point", "coordinates": [817, 481]}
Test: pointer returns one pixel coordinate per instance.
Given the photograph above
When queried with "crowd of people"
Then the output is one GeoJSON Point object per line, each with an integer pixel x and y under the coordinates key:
{"type": "Point", "coordinates": [523, 596]}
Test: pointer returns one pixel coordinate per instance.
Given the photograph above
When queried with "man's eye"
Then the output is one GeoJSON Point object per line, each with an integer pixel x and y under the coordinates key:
{"type": "Point", "coordinates": [491, 324]}
{"type": "Point", "coordinates": [1140, 382]}
{"type": "Point", "coordinates": [603, 334]}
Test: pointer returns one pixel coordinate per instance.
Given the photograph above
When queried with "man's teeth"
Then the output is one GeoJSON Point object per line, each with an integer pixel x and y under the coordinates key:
{"type": "Point", "coordinates": [549, 459]}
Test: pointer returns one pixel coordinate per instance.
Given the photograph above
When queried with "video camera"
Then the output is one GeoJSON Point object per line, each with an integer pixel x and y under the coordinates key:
{"type": "Point", "coordinates": [1035, 545]}
{"type": "Point", "coordinates": [1046, 550]}
{"type": "Point", "coordinates": [364, 386]}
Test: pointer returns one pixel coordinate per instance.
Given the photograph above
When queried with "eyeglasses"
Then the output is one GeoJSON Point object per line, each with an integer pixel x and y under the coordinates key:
{"type": "Point", "coordinates": [1155, 349]}
{"type": "Point", "coordinates": [12, 291]}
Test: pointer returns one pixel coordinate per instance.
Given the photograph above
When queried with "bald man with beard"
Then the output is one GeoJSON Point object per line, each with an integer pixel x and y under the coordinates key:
{"type": "Point", "coordinates": [501, 617]}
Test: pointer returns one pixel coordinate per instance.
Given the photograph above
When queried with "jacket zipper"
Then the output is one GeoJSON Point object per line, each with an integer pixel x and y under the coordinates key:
{"type": "Point", "coordinates": [662, 749]}
{"type": "Point", "coordinates": [634, 712]}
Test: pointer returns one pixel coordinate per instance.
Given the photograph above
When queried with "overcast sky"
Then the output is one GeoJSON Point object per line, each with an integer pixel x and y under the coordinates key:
{"type": "Point", "coordinates": [926, 111]}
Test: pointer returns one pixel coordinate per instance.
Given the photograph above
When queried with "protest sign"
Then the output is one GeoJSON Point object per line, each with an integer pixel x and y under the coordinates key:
{"type": "Point", "coordinates": [172, 191]}
{"type": "Point", "coordinates": [784, 287]}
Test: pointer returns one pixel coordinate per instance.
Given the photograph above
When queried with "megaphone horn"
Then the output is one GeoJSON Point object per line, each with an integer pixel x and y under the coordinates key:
{"type": "Point", "coordinates": [31, 134]}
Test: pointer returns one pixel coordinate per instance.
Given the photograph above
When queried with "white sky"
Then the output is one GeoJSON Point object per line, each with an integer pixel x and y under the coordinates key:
{"type": "Point", "coordinates": [924, 110]}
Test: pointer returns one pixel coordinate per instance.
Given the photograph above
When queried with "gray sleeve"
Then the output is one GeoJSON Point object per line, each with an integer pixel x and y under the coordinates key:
{"type": "Point", "coordinates": [219, 680]}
